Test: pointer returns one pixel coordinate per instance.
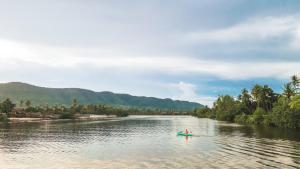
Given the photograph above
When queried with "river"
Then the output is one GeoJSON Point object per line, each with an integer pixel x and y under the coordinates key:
{"type": "Point", "coordinates": [146, 142]}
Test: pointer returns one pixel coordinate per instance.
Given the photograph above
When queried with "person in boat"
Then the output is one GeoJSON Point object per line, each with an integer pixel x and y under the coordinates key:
{"type": "Point", "coordinates": [186, 131]}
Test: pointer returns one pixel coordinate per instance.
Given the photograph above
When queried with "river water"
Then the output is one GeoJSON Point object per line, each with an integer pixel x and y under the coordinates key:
{"type": "Point", "coordinates": [146, 142]}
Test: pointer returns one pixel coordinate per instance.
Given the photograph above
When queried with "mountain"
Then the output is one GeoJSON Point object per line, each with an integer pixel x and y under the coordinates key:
{"type": "Point", "coordinates": [17, 91]}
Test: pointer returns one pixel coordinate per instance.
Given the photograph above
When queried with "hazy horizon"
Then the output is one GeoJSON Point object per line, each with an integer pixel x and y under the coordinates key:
{"type": "Point", "coordinates": [184, 50]}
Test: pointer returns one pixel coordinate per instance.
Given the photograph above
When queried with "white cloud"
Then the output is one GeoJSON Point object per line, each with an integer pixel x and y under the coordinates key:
{"type": "Point", "coordinates": [188, 91]}
{"type": "Point", "coordinates": [295, 43]}
{"type": "Point", "coordinates": [252, 30]}
{"type": "Point", "coordinates": [14, 54]}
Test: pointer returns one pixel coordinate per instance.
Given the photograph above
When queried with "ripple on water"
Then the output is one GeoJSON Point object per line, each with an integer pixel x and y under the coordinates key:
{"type": "Point", "coordinates": [144, 142]}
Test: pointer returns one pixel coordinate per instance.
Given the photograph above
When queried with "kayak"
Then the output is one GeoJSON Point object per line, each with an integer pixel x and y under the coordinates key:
{"type": "Point", "coordinates": [183, 134]}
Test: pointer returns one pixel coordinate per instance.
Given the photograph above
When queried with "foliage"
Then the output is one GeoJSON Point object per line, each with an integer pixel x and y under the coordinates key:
{"type": "Point", "coordinates": [295, 103]}
{"type": "Point", "coordinates": [60, 111]}
{"type": "Point", "coordinates": [75, 108]}
{"type": "Point", "coordinates": [7, 106]}
{"type": "Point", "coordinates": [28, 103]}
{"type": "Point", "coordinates": [3, 118]}
{"type": "Point", "coordinates": [121, 113]}
{"type": "Point", "coordinates": [247, 104]}
{"type": "Point", "coordinates": [289, 91]}
{"type": "Point", "coordinates": [280, 112]}
{"type": "Point", "coordinates": [67, 115]}
{"type": "Point", "coordinates": [258, 115]}
{"type": "Point", "coordinates": [295, 82]}
{"type": "Point", "coordinates": [294, 119]}
{"type": "Point", "coordinates": [262, 106]}
{"type": "Point", "coordinates": [242, 118]}
{"type": "Point", "coordinates": [264, 96]}
{"type": "Point", "coordinates": [203, 113]}
{"type": "Point", "coordinates": [21, 103]}
{"type": "Point", "coordinates": [32, 109]}
{"type": "Point", "coordinates": [226, 108]}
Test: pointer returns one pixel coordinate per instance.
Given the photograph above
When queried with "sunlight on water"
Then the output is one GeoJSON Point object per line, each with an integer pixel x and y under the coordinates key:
{"type": "Point", "coordinates": [146, 142]}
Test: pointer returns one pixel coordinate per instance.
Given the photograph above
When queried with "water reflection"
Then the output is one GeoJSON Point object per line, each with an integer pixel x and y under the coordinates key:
{"type": "Point", "coordinates": [147, 142]}
{"type": "Point", "coordinates": [269, 147]}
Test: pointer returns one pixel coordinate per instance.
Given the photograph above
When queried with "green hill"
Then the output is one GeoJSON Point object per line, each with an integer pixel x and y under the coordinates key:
{"type": "Point", "coordinates": [63, 96]}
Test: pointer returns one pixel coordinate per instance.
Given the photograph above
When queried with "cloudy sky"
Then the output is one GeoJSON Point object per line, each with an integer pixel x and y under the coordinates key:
{"type": "Point", "coordinates": [182, 49]}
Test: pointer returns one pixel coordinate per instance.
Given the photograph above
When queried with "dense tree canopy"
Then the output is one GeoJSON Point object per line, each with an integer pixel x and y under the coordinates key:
{"type": "Point", "coordinates": [247, 105]}
{"type": "Point", "coordinates": [262, 106]}
{"type": "Point", "coordinates": [225, 108]}
{"type": "Point", "coordinates": [295, 102]}
{"type": "Point", "coordinates": [289, 91]}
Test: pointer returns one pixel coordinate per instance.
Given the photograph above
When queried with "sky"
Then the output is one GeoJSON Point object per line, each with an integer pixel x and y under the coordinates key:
{"type": "Point", "coordinates": [189, 50]}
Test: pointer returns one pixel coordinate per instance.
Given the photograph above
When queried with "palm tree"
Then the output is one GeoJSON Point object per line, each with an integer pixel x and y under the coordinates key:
{"type": "Point", "coordinates": [256, 93]}
{"type": "Point", "coordinates": [246, 102]}
{"type": "Point", "coordinates": [269, 97]}
{"type": "Point", "coordinates": [264, 96]}
{"type": "Point", "coordinates": [295, 82]}
{"type": "Point", "coordinates": [289, 91]}
{"type": "Point", "coordinates": [21, 103]}
{"type": "Point", "coordinates": [74, 106]}
{"type": "Point", "coordinates": [28, 103]}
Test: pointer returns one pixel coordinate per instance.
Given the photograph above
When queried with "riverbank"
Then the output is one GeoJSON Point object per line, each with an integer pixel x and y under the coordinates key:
{"type": "Point", "coordinates": [80, 118]}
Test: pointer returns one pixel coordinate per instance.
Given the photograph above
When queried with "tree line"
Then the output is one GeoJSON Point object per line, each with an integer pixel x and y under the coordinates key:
{"type": "Point", "coordinates": [26, 109]}
{"type": "Point", "coordinates": [9, 109]}
{"type": "Point", "coordinates": [259, 106]}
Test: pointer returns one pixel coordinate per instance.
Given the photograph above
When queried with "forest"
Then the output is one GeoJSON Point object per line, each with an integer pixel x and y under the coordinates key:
{"type": "Point", "coordinates": [259, 106]}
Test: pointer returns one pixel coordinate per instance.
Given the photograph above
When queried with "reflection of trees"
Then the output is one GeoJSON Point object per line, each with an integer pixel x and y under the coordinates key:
{"type": "Point", "coordinates": [264, 143]}
{"type": "Point", "coordinates": [277, 133]}
{"type": "Point", "coordinates": [235, 130]}
{"type": "Point", "coordinates": [260, 132]}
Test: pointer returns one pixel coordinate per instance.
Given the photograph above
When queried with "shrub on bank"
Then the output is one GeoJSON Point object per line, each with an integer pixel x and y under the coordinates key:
{"type": "Point", "coordinates": [3, 118]}
{"type": "Point", "coordinates": [122, 113]}
{"type": "Point", "coordinates": [258, 115]}
{"type": "Point", "coordinates": [242, 119]}
{"type": "Point", "coordinates": [67, 115]}
{"type": "Point", "coordinates": [203, 112]}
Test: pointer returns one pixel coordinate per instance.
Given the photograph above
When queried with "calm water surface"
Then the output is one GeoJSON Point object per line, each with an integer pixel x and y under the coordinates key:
{"type": "Point", "coordinates": [146, 142]}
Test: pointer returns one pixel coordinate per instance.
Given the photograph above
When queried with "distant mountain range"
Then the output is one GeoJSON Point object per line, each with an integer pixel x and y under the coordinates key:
{"type": "Point", "coordinates": [17, 91]}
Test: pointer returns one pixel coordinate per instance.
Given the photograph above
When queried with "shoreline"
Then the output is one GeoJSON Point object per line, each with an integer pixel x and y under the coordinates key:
{"type": "Point", "coordinates": [90, 117]}
{"type": "Point", "coordinates": [81, 118]}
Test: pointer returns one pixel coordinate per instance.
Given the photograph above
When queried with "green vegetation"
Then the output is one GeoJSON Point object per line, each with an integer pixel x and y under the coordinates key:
{"type": "Point", "coordinates": [261, 107]}
{"type": "Point", "coordinates": [3, 118]}
{"type": "Point", "coordinates": [76, 110]}
{"type": "Point", "coordinates": [5, 108]}
{"type": "Point", "coordinates": [66, 115]}
{"type": "Point", "coordinates": [225, 108]}
{"type": "Point", "coordinates": [21, 93]}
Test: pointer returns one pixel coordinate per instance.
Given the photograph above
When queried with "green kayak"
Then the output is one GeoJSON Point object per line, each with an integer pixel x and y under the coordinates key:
{"type": "Point", "coordinates": [183, 134]}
